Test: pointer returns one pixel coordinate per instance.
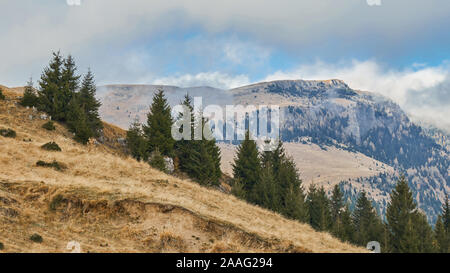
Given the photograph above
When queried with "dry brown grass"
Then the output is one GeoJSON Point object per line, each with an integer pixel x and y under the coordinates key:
{"type": "Point", "coordinates": [112, 203]}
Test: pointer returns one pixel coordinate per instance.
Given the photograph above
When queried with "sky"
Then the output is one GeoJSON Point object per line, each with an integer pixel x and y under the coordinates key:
{"type": "Point", "coordinates": [399, 48]}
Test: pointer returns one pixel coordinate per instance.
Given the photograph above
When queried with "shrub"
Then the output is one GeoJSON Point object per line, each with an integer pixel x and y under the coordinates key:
{"type": "Point", "coordinates": [8, 133]}
{"type": "Point", "coordinates": [51, 146]}
{"type": "Point", "coordinates": [2, 97]}
{"type": "Point", "coordinates": [2, 246]}
{"type": "Point", "coordinates": [49, 126]}
{"type": "Point", "coordinates": [56, 201]}
{"type": "Point", "coordinates": [157, 161]}
{"type": "Point", "coordinates": [55, 165]}
{"type": "Point", "coordinates": [36, 238]}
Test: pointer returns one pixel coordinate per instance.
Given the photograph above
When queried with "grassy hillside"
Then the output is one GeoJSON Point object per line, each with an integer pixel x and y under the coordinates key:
{"type": "Point", "coordinates": [111, 203]}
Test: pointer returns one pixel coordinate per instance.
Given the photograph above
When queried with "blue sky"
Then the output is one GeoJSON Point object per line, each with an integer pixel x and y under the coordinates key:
{"type": "Point", "coordinates": [399, 48]}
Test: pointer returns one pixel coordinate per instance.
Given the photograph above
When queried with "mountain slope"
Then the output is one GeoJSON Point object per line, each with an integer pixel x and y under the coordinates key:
{"type": "Point", "coordinates": [112, 203]}
{"type": "Point", "coordinates": [332, 115]}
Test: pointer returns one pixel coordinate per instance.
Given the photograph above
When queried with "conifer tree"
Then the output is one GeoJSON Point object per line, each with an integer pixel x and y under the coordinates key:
{"type": "Point", "coordinates": [2, 96]}
{"type": "Point", "coordinates": [424, 234]}
{"type": "Point", "coordinates": [441, 236]}
{"type": "Point", "coordinates": [184, 147]}
{"type": "Point", "coordinates": [337, 209]}
{"type": "Point", "coordinates": [50, 86]}
{"type": "Point", "coordinates": [319, 208]}
{"type": "Point", "coordinates": [345, 231]}
{"type": "Point", "coordinates": [159, 126]}
{"type": "Point", "coordinates": [157, 161]}
{"type": "Point", "coordinates": [265, 193]}
{"type": "Point", "coordinates": [247, 166]}
{"type": "Point", "coordinates": [368, 226]}
{"type": "Point", "coordinates": [237, 190]}
{"type": "Point", "coordinates": [89, 103]}
{"type": "Point", "coordinates": [67, 88]}
{"type": "Point", "coordinates": [136, 142]}
{"type": "Point", "coordinates": [77, 121]}
{"type": "Point", "coordinates": [29, 98]}
{"type": "Point", "coordinates": [400, 215]}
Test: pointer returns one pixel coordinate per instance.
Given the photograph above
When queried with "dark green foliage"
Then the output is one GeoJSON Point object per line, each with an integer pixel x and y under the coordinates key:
{"type": "Point", "coordinates": [29, 98]}
{"type": "Point", "coordinates": [36, 238]}
{"type": "Point", "coordinates": [2, 96]}
{"type": "Point", "coordinates": [159, 126]}
{"type": "Point", "coordinates": [157, 161]}
{"type": "Point", "coordinates": [247, 166]}
{"type": "Point", "coordinates": [265, 191]}
{"type": "Point", "coordinates": [136, 142]}
{"type": "Point", "coordinates": [54, 164]}
{"type": "Point", "coordinates": [442, 229]}
{"type": "Point", "coordinates": [58, 95]}
{"type": "Point", "coordinates": [49, 126]}
{"type": "Point", "coordinates": [238, 189]}
{"type": "Point", "coordinates": [319, 209]}
{"type": "Point", "coordinates": [8, 133]}
{"type": "Point", "coordinates": [77, 122]}
{"type": "Point", "coordinates": [89, 104]}
{"type": "Point", "coordinates": [56, 201]}
{"type": "Point", "coordinates": [400, 215]}
{"type": "Point", "coordinates": [367, 224]}
{"type": "Point", "coordinates": [50, 86]}
{"type": "Point", "coordinates": [200, 159]}
{"type": "Point", "coordinates": [2, 246]}
{"type": "Point", "coordinates": [424, 234]}
{"type": "Point", "coordinates": [441, 236]}
{"type": "Point", "coordinates": [51, 146]}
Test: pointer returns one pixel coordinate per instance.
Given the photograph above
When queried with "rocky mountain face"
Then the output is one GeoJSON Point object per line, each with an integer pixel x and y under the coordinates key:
{"type": "Point", "coordinates": [328, 114]}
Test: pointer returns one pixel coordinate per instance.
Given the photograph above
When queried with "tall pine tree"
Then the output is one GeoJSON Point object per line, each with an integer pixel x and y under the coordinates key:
{"type": "Point", "coordinates": [400, 215]}
{"type": "Point", "coordinates": [50, 86]}
{"type": "Point", "coordinates": [89, 103]}
{"type": "Point", "coordinates": [159, 126]}
{"type": "Point", "coordinates": [247, 166]}
{"type": "Point", "coordinates": [368, 226]}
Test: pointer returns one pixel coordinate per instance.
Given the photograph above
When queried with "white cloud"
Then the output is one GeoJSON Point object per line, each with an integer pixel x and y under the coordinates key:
{"type": "Point", "coordinates": [408, 87]}
{"type": "Point", "coordinates": [214, 79]}
{"type": "Point", "coordinates": [374, 2]}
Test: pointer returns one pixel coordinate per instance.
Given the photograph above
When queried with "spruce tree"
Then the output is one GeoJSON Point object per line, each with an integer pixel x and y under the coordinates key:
{"type": "Point", "coordinates": [50, 86]}
{"type": "Point", "coordinates": [424, 234]}
{"type": "Point", "coordinates": [400, 215]}
{"type": "Point", "coordinates": [265, 192]}
{"type": "Point", "coordinates": [247, 166]}
{"type": "Point", "coordinates": [29, 98]}
{"type": "Point", "coordinates": [68, 86]}
{"type": "Point", "coordinates": [319, 208]}
{"type": "Point", "coordinates": [89, 103]}
{"type": "Point", "coordinates": [345, 231]}
{"type": "Point", "coordinates": [441, 236]}
{"type": "Point", "coordinates": [368, 226]}
{"type": "Point", "coordinates": [77, 122]}
{"type": "Point", "coordinates": [159, 126]}
{"type": "Point", "coordinates": [136, 142]}
{"type": "Point", "coordinates": [185, 147]}
{"type": "Point", "coordinates": [337, 209]}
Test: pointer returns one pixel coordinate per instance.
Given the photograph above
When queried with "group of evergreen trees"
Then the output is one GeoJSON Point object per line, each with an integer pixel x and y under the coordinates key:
{"type": "Point", "coordinates": [270, 180]}
{"type": "Point", "coordinates": [62, 97]}
{"type": "Point", "coordinates": [199, 159]}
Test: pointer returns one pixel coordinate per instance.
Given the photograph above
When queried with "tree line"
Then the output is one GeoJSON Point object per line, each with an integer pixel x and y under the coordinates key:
{"type": "Point", "coordinates": [62, 96]}
{"type": "Point", "coordinates": [271, 180]}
